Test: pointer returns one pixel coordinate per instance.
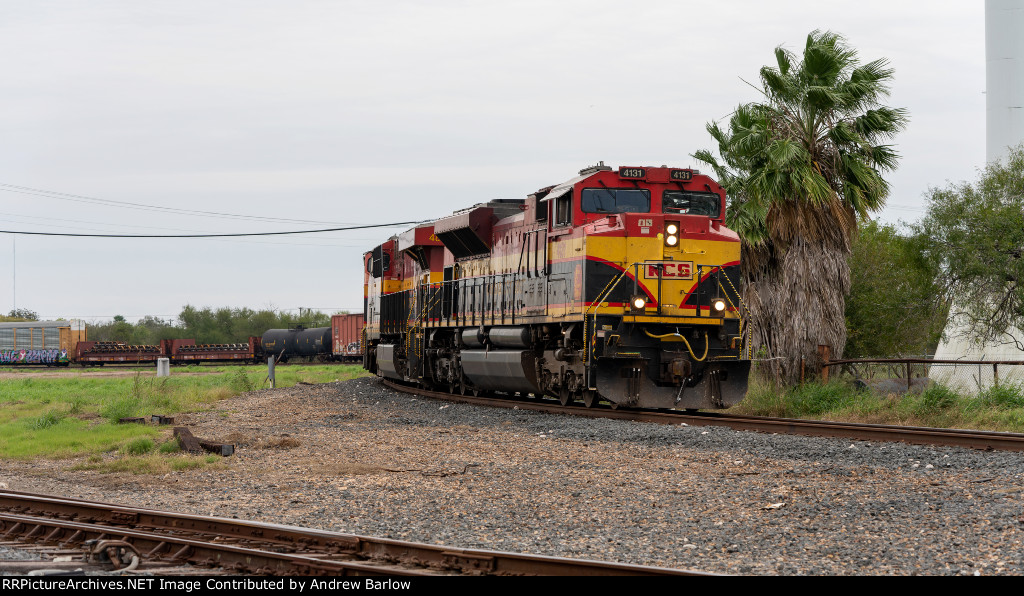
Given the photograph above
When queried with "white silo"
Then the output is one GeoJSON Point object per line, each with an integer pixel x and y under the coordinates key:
{"type": "Point", "coordinates": [1004, 123]}
{"type": "Point", "coordinates": [1004, 76]}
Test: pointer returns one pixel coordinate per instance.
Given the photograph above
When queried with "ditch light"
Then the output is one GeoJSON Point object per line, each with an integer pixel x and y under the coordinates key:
{"type": "Point", "coordinates": [718, 307]}
{"type": "Point", "coordinates": [638, 304]}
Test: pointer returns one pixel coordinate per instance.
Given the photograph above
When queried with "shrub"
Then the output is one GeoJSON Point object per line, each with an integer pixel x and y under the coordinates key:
{"type": "Point", "coordinates": [815, 398]}
{"type": "Point", "coordinates": [51, 418]}
{"type": "Point", "coordinates": [117, 408]}
{"type": "Point", "coordinates": [76, 405]}
{"type": "Point", "coordinates": [240, 381]}
{"type": "Point", "coordinates": [172, 446]}
{"type": "Point", "coordinates": [938, 397]}
{"type": "Point", "coordinates": [1003, 396]}
{"type": "Point", "coordinates": [138, 446]}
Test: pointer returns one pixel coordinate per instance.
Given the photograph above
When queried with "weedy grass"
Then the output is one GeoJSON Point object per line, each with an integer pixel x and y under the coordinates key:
{"type": "Point", "coordinates": [140, 446]}
{"type": "Point", "coordinates": [998, 408]}
{"type": "Point", "coordinates": [77, 415]}
{"type": "Point", "coordinates": [153, 463]}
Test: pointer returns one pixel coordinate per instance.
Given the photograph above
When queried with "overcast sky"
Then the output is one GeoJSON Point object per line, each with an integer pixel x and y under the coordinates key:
{"type": "Point", "coordinates": [150, 117]}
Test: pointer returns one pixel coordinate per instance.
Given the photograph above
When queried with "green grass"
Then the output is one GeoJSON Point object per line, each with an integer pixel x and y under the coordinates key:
{"type": "Point", "coordinates": [75, 416]}
{"type": "Point", "coordinates": [999, 408]}
{"type": "Point", "coordinates": [150, 463]}
{"type": "Point", "coordinates": [140, 446]}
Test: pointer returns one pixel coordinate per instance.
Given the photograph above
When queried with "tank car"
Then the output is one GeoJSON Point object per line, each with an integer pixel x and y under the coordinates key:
{"type": "Point", "coordinates": [285, 344]}
{"type": "Point", "coordinates": [618, 285]}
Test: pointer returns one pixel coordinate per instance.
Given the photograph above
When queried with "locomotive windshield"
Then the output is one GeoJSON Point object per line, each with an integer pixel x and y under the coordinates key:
{"type": "Point", "coordinates": [691, 203]}
{"type": "Point", "coordinates": [615, 200]}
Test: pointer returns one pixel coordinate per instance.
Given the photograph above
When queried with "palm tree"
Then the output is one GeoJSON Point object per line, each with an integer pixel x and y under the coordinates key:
{"type": "Point", "coordinates": [801, 168]}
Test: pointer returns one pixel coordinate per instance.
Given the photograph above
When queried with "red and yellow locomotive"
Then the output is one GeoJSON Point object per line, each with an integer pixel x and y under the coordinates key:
{"type": "Point", "coordinates": [617, 285]}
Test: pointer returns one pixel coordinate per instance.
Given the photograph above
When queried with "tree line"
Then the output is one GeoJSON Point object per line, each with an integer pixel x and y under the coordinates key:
{"type": "Point", "coordinates": [207, 325]}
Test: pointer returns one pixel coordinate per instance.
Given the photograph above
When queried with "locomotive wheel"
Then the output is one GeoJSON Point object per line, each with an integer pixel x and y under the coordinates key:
{"type": "Point", "coordinates": [589, 398]}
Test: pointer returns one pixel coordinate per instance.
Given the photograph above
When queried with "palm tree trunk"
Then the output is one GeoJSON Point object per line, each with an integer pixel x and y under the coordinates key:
{"type": "Point", "coordinates": [796, 304]}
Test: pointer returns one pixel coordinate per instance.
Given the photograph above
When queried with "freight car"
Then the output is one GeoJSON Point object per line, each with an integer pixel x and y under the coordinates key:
{"type": "Point", "coordinates": [60, 343]}
{"type": "Point", "coordinates": [311, 344]}
{"type": "Point", "coordinates": [615, 285]}
{"type": "Point", "coordinates": [339, 342]}
{"type": "Point", "coordinates": [347, 337]}
{"type": "Point", "coordinates": [51, 343]}
{"type": "Point", "coordinates": [178, 351]}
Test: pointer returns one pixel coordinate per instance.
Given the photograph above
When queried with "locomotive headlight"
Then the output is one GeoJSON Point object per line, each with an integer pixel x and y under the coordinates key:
{"type": "Point", "coordinates": [637, 304]}
{"type": "Point", "coordinates": [718, 307]}
{"type": "Point", "coordinates": [671, 233]}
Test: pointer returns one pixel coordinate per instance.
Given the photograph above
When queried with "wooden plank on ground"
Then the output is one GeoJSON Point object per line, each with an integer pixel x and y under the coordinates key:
{"type": "Point", "coordinates": [219, 448]}
{"type": "Point", "coordinates": [188, 442]}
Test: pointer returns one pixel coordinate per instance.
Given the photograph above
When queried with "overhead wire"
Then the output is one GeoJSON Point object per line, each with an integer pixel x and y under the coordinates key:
{"type": "Point", "coordinates": [14, 217]}
{"type": "Point", "coordinates": [236, 235]}
{"type": "Point", "coordinates": [131, 205]}
{"type": "Point", "coordinates": [62, 196]}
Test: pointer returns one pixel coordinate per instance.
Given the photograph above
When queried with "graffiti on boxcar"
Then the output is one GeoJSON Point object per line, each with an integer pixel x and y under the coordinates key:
{"type": "Point", "coordinates": [33, 356]}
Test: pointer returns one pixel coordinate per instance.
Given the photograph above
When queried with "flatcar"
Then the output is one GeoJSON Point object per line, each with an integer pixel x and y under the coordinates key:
{"type": "Point", "coordinates": [60, 343]}
{"type": "Point", "coordinates": [617, 285]}
{"type": "Point", "coordinates": [177, 351]}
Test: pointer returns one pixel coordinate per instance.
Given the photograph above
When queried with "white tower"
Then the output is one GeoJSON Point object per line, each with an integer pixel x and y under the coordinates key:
{"type": "Point", "coordinates": [1004, 76]}
{"type": "Point", "coordinates": [1004, 123]}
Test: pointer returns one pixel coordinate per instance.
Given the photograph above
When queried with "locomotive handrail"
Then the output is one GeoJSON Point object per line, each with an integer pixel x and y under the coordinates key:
{"type": "Point", "coordinates": [610, 287]}
{"type": "Point", "coordinates": [591, 329]}
{"type": "Point", "coordinates": [744, 321]}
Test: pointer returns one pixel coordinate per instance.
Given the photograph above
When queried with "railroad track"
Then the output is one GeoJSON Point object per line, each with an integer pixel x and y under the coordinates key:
{"type": "Point", "coordinates": [974, 439]}
{"type": "Point", "coordinates": [132, 539]}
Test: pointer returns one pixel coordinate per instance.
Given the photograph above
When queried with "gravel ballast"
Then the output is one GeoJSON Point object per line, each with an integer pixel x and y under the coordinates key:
{"type": "Point", "coordinates": [359, 458]}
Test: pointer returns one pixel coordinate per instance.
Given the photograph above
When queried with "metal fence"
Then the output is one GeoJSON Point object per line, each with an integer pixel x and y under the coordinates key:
{"type": "Point", "coordinates": [969, 377]}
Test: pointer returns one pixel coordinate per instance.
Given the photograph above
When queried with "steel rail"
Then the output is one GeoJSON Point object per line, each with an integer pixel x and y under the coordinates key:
{"type": "Point", "coordinates": [287, 550]}
{"type": "Point", "coordinates": [945, 437]}
{"type": "Point", "coordinates": [198, 552]}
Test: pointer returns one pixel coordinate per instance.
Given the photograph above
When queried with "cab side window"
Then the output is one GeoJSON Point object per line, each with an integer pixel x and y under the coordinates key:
{"type": "Point", "coordinates": [562, 211]}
